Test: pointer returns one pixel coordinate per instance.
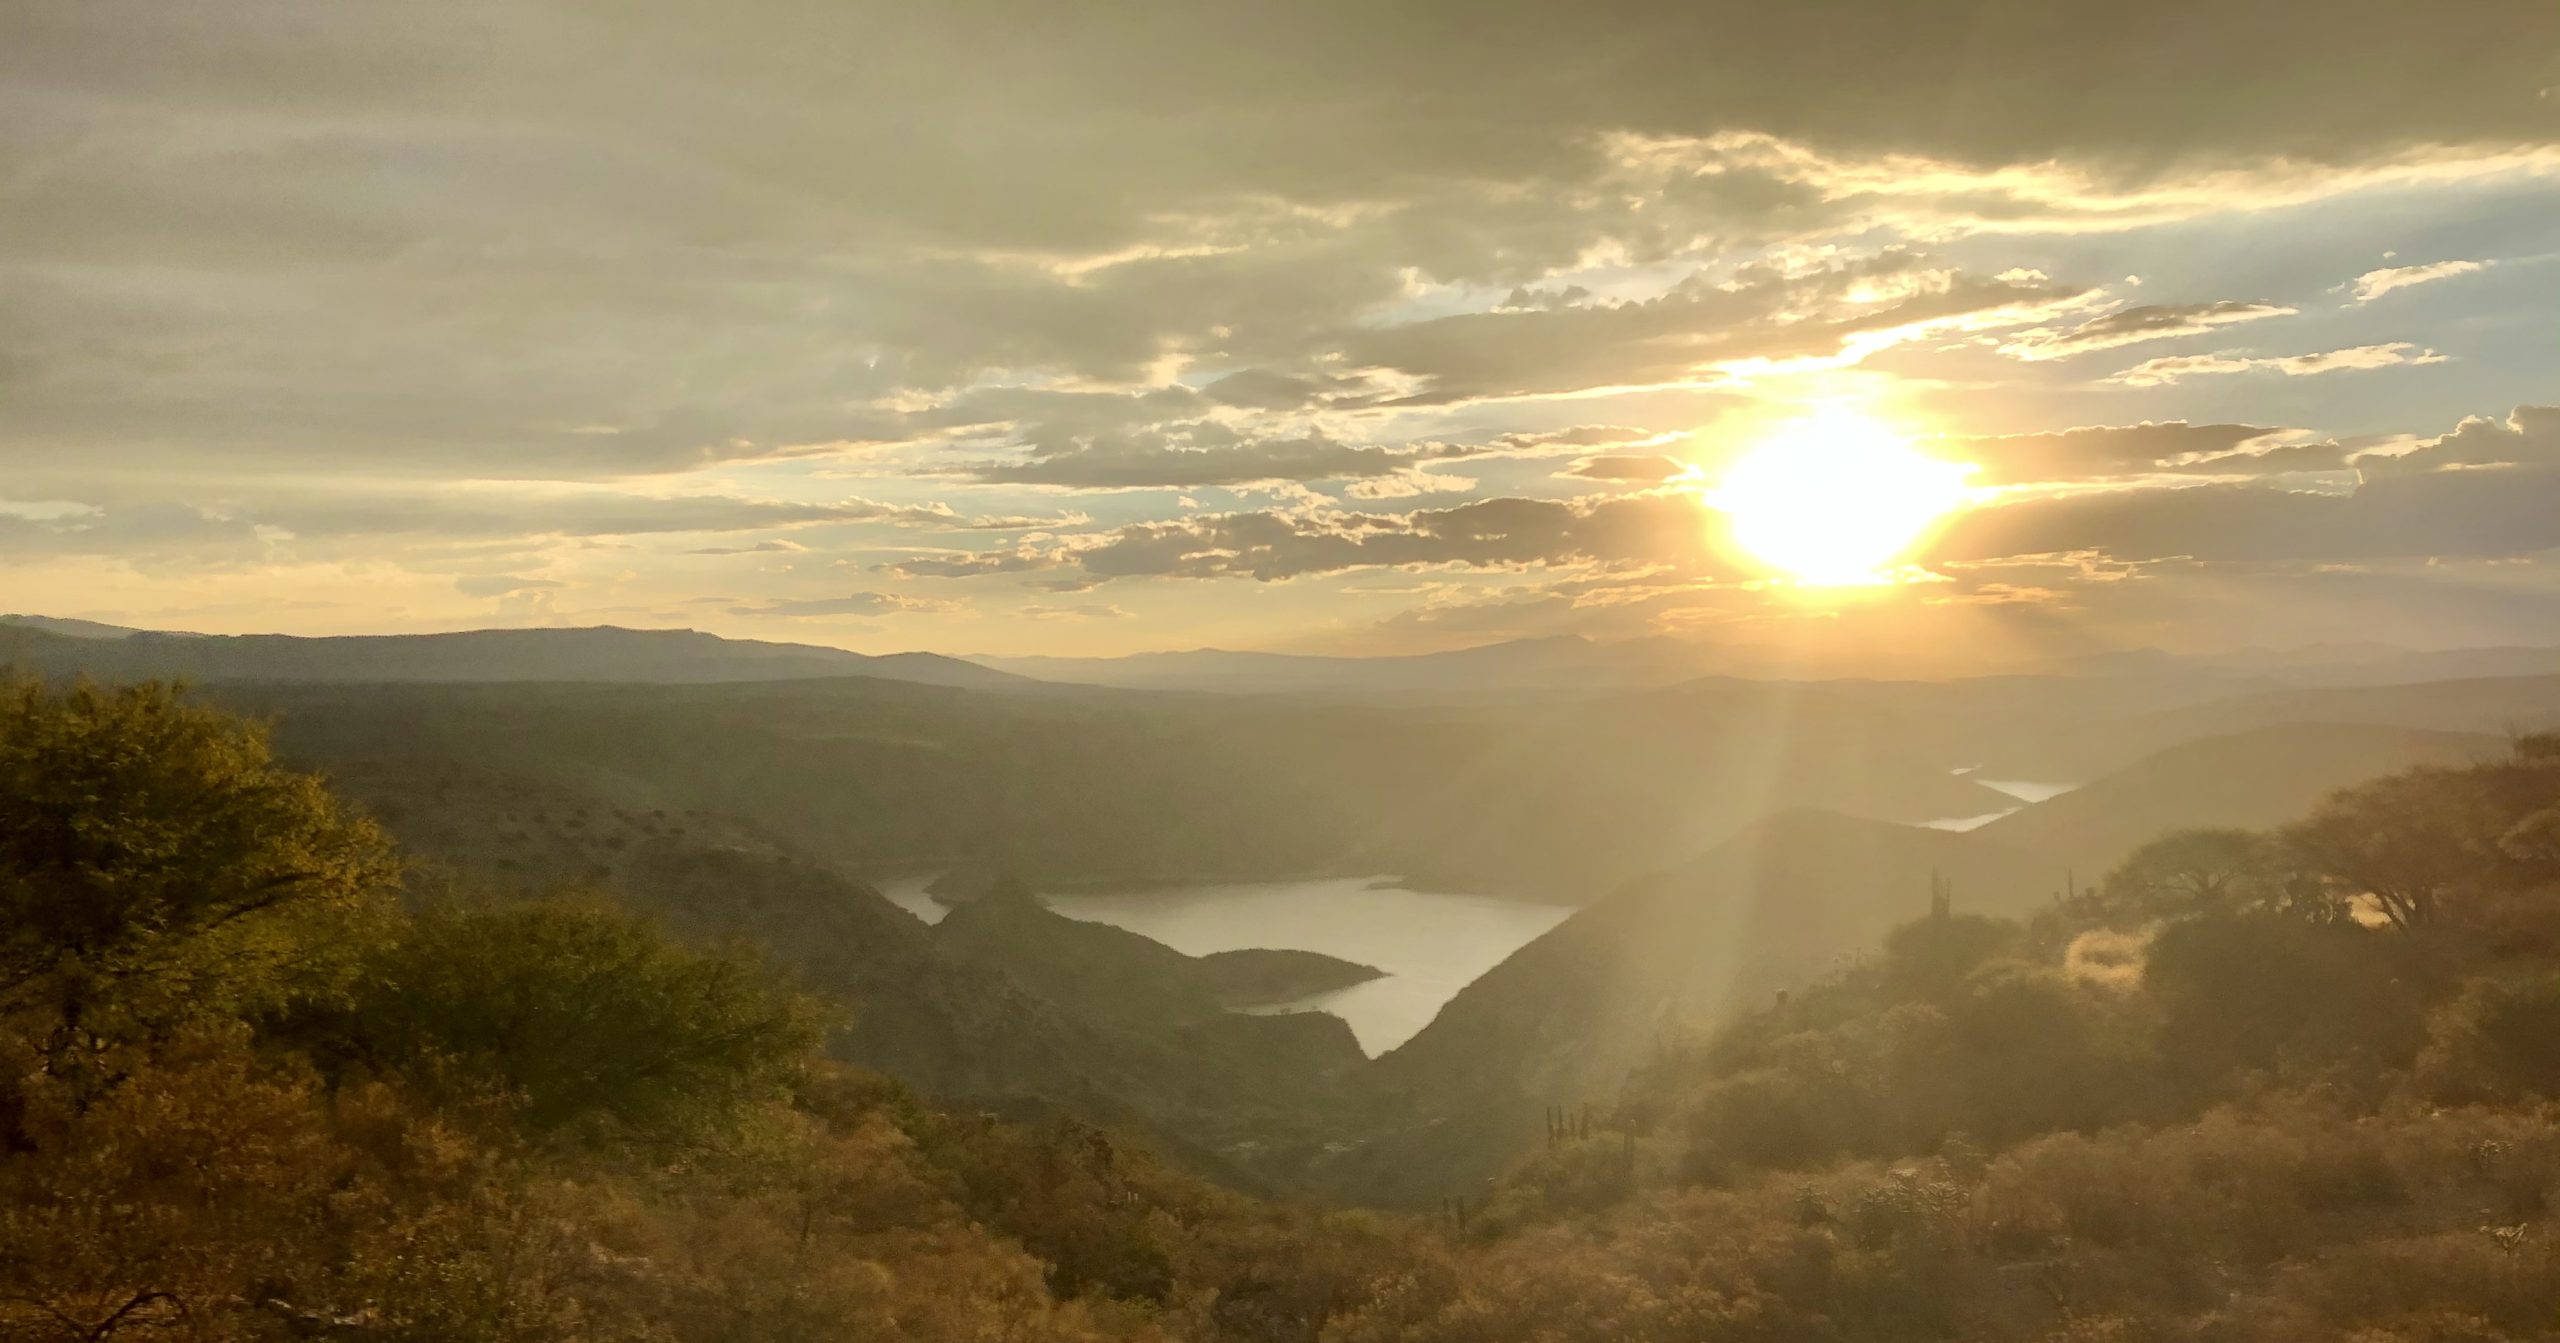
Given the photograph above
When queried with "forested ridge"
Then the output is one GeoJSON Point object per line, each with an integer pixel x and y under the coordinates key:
{"type": "Point", "coordinates": [256, 1084]}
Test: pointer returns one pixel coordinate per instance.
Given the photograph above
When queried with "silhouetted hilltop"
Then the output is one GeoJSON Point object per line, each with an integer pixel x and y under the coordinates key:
{"type": "Point", "coordinates": [600, 653]}
{"type": "Point", "coordinates": [74, 629]}
{"type": "Point", "coordinates": [1561, 662]}
{"type": "Point", "coordinates": [971, 882]}
{"type": "Point", "coordinates": [2500, 705]}
{"type": "Point", "coordinates": [1094, 969]}
{"type": "Point", "coordinates": [1108, 973]}
{"type": "Point", "coordinates": [1262, 976]}
{"type": "Point", "coordinates": [2254, 778]}
{"type": "Point", "coordinates": [1136, 984]}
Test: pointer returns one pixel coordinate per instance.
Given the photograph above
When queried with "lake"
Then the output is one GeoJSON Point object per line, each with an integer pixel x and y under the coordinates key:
{"type": "Point", "coordinates": [1430, 943]}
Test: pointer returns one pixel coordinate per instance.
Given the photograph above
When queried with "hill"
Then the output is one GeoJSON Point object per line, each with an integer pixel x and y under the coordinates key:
{"type": "Point", "coordinates": [601, 653]}
{"type": "Point", "coordinates": [1563, 1019]}
{"type": "Point", "coordinates": [1560, 663]}
{"type": "Point", "coordinates": [1552, 800]}
{"type": "Point", "coordinates": [70, 629]}
{"type": "Point", "coordinates": [2260, 777]}
{"type": "Point", "coordinates": [863, 773]}
{"type": "Point", "coordinates": [2501, 705]}
{"type": "Point", "coordinates": [1267, 976]}
{"type": "Point", "coordinates": [1112, 974]}
{"type": "Point", "coordinates": [1577, 797]}
{"type": "Point", "coordinates": [1120, 979]}
{"type": "Point", "coordinates": [1031, 1020]}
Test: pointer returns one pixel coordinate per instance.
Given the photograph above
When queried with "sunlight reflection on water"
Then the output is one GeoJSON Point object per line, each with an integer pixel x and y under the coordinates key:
{"type": "Point", "coordinates": [2028, 793]}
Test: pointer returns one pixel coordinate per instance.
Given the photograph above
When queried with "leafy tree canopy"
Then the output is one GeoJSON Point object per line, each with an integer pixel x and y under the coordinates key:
{"type": "Point", "coordinates": [156, 862]}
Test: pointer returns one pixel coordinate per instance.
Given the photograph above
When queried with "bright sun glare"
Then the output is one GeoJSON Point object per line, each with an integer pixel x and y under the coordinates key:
{"type": "Point", "coordinates": [1834, 500]}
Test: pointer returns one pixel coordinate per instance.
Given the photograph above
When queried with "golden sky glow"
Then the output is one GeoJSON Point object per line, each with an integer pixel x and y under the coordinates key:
{"type": "Point", "coordinates": [897, 326]}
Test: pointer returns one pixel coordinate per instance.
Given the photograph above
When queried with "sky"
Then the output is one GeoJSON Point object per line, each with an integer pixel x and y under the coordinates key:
{"type": "Point", "coordinates": [1022, 328]}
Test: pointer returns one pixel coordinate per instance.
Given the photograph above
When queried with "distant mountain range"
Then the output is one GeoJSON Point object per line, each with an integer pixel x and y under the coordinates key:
{"type": "Point", "coordinates": [1572, 663]}
{"type": "Point", "coordinates": [600, 653]}
{"type": "Point", "coordinates": [1565, 662]}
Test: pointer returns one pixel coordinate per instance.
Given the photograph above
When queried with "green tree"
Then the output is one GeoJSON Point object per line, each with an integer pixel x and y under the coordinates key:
{"type": "Point", "coordinates": [584, 1012]}
{"type": "Point", "coordinates": [156, 862]}
{"type": "Point", "coordinates": [2407, 842]}
{"type": "Point", "coordinates": [2192, 872]}
{"type": "Point", "coordinates": [2499, 1039]}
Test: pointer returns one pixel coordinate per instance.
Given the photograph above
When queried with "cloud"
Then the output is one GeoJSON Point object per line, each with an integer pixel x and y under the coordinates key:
{"type": "Point", "coordinates": [501, 585]}
{"type": "Point", "coordinates": [1552, 441]}
{"type": "Point", "coordinates": [1409, 483]}
{"type": "Point", "coordinates": [2266, 459]}
{"type": "Point", "coordinates": [852, 604]}
{"type": "Point", "coordinates": [1264, 389]}
{"type": "Point", "coordinates": [2373, 284]}
{"type": "Point", "coordinates": [2133, 325]}
{"type": "Point", "coordinates": [2177, 368]}
{"type": "Point", "coordinates": [2530, 437]}
{"type": "Point", "coordinates": [1648, 470]}
{"type": "Point", "coordinates": [1835, 313]}
{"type": "Point", "coordinates": [479, 286]}
{"type": "Point", "coordinates": [1019, 559]}
{"type": "Point", "coordinates": [1481, 534]}
{"type": "Point", "coordinates": [1152, 461]}
{"type": "Point", "coordinates": [2095, 451]}
{"type": "Point", "coordinates": [776, 547]}
{"type": "Point", "coordinates": [1075, 611]}
{"type": "Point", "coordinates": [2506, 503]}
{"type": "Point", "coordinates": [332, 524]}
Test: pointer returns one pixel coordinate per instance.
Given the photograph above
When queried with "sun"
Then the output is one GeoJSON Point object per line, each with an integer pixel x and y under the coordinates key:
{"type": "Point", "coordinates": [1835, 499]}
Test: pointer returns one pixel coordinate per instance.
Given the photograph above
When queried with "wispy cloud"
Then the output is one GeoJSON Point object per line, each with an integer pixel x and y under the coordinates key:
{"type": "Point", "coordinates": [2178, 368]}
{"type": "Point", "coordinates": [852, 604]}
{"type": "Point", "coordinates": [2373, 284]}
{"type": "Point", "coordinates": [2133, 325]}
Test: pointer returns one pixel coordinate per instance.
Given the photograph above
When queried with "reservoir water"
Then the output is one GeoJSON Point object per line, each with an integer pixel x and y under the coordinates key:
{"type": "Point", "coordinates": [1430, 943]}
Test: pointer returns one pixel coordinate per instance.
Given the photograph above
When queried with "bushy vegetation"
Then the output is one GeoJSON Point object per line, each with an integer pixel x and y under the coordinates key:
{"type": "Point", "coordinates": [2255, 1086]}
{"type": "Point", "coordinates": [2289, 1085]}
{"type": "Point", "coordinates": [247, 1091]}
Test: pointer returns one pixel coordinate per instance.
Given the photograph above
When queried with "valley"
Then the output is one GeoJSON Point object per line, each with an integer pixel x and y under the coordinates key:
{"type": "Point", "coordinates": [1654, 860]}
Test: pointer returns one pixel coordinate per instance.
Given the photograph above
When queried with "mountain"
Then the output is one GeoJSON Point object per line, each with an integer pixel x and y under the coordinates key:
{"type": "Point", "coordinates": [2101, 744]}
{"type": "Point", "coordinates": [1131, 983]}
{"type": "Point", "coordinates": [1566, 1017]}
{"type": "Point", "coordinates": [1112, 974]}
{"type": "Point", "coordinates": [1006, 1005]}
{"type": "Point", "coordinates": [1576, 797]}
{"type": "Point", "coordinates": [2367, 664]}
{"type": "Point", "coordinates": [71, 629]}
{"type": "Point", "coordinates": [1561, 663]}
{"type": "Point", "coordinates": [1554, 799]}
{"type": "Point", "coordinates": [872, 775]}
{"type": "Point", "coordinates": [600, 653]}
{"type": "Point", "coordinates": [2247, 780]}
